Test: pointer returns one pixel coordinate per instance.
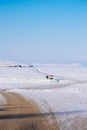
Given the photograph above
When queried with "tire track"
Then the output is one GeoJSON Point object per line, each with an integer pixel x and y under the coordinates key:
{"type": "Point", "coordinates": [15, 114]}
{"type": "Point", "coordinates": [53, 86]}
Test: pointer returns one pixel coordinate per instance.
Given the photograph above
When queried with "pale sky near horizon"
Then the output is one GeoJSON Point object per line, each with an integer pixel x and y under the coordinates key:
{"type": "Point", "coordinates": [45, 31]}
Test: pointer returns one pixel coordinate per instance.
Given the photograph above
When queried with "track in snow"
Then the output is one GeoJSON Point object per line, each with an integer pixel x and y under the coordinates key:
{"type": "Point", "coordinates": [19, 114]}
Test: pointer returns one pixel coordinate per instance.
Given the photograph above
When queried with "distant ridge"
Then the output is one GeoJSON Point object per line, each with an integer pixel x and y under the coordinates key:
{"type": "Point", "coordinates": [60, 65]}
{"type": "Point", "coordinates": [16, 64]}
{"type": "Point", "coordinates": [13, 64]}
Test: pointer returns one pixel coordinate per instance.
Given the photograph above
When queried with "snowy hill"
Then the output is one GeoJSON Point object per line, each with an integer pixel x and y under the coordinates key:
{"type": "Point", "coordinates": [13, 64]}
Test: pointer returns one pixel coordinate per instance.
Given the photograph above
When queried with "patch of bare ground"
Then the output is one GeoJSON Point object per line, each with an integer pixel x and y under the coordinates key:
{"type": "Point", "coordinates": [79, 123]}
{"type": "Point", "coordinates": [19, 114]}
{"type": "Point", "coordinates": [76, 123]}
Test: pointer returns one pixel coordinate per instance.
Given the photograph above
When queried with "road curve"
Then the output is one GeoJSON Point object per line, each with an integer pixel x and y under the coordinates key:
{"type": "Point", "coordinates": [20, 114]}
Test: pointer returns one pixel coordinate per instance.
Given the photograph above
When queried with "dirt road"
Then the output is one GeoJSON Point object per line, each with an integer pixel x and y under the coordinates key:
{"type": "Point", "coordinates": [19, 114]}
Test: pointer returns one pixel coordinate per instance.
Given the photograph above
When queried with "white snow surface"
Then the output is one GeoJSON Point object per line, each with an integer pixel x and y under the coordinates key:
{"type": "Point", "coordinates": [66, 95]}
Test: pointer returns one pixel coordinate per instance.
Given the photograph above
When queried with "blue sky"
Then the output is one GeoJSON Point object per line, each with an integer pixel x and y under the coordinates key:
{"type": "Point", "coordinates": [45, 31]}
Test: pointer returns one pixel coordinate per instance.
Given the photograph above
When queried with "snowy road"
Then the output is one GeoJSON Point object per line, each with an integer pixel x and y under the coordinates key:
{"type": "Point", "coordinates": [19, 113]}
{"type": "Point", "coordinates": [61, 102]}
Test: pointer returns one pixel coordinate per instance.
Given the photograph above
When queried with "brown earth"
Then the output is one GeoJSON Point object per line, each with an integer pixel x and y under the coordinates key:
{"type": "Point", "coordinates": [20, 114]}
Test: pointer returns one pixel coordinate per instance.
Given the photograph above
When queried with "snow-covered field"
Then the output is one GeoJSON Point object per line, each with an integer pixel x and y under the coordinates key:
{"type": "Point", "coordinates": [65, 95]}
